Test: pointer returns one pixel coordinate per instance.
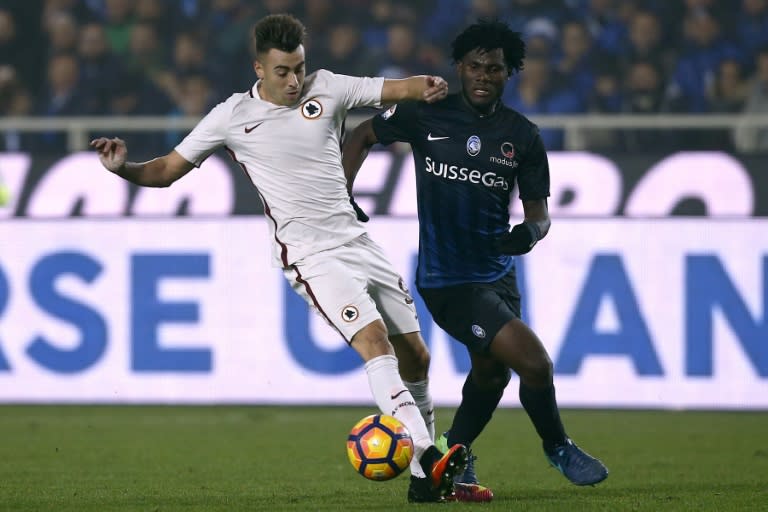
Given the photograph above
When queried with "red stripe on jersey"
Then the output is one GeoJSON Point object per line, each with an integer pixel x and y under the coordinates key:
{"type": "Point", "coordinates": [267, 211]}
{"type": "Point", "coordinates": [311, 294]}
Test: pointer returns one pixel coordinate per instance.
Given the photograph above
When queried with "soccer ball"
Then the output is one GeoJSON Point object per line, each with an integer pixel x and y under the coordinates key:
{"type": "Point", "coordinates": [379, 447]}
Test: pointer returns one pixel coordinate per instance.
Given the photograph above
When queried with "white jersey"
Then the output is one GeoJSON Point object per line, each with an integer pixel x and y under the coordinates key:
{"type": "Point", "coordinates": [293, 156]}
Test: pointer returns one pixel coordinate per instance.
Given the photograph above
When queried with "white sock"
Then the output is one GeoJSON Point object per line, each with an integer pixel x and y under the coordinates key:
{"type": "Point", "coordinates": [421, 395]}
{"type": "Point", "coordinates": [394, 399]}
{"type": "Point", "coordinates": [420, 392]}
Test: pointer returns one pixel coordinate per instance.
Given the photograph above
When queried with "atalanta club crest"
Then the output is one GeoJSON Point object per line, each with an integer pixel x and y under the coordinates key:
{"type": "Point", "coordinates": [478, 331]}
{"type": "Point", "coordinates": [473, 145]}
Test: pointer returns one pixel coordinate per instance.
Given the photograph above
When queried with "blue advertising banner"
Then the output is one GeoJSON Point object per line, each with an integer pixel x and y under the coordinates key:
{"type": "Point", "coordinates": [642, 313]}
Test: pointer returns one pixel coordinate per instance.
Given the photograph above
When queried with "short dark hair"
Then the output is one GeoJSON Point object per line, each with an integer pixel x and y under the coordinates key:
{"type": "Point", "coordinates": [489, 34]}
{"type": "Point", "coordinates": [280, 31]}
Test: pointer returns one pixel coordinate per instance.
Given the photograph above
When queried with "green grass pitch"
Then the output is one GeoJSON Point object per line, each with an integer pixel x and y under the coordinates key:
{"type": "Point", "coordinates": [158, 458]}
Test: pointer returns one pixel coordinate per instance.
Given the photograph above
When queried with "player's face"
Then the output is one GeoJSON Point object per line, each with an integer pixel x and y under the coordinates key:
{"type": "Point", "coordinates": [282, 75]}
{"type": "Point", "coordinates": [483, 76]}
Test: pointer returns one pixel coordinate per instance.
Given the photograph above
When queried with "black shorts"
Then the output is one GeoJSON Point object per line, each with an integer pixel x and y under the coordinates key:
{"type": "Point", "coordinates": [474, 312]}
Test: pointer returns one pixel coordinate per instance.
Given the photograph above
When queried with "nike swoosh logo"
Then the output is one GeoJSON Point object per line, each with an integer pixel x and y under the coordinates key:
{"type": "Point", "coordinates": [430, 412]}
{"type": "Point", "coordinates": [249, 130]}
{"type": "Point", "coordinates": [392, 397]}
{"type": "Point", "coordinates": [430, 137]}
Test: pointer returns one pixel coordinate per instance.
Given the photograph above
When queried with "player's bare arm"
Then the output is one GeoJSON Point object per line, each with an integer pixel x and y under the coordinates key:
{"type": "Point", "coordinates": [355, 150]}
{"type": "Point", "coordinates": [158, 172]}
{"type": "Point", "coordinates": [536, 212]}
{"type": "Point", "coordinates": [417, 88]}
{"type": "Point", "coordinates": [525, 235]}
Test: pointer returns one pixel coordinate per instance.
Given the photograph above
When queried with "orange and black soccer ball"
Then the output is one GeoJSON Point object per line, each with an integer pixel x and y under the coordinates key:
{"type": "Point", "coordinates": [379, 447]}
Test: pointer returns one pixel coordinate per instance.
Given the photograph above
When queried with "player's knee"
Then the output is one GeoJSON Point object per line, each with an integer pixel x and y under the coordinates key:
{"type": "Point", "coordinates": [418, 359]}
{"type": "Point", "coordinates": [422, 358]}
{"type": "Point", "coordinates": [495, 379]}
{"type": "Point", "coordinates": [500, 380]}
{"type": "Point", "coordinates": [538, 371]}
{"type": "Point", "coordinates": [413, 354]}
{"type": "Point", "coordinates": [371, 341]}
{"type": "Point", "coordinates": [504, 378]}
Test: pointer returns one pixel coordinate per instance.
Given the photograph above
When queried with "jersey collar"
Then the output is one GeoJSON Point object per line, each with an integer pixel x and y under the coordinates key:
{"type": "Point", "coordinates": [469, 108]}
{"type": "Point", "coordinates": [255, 90]}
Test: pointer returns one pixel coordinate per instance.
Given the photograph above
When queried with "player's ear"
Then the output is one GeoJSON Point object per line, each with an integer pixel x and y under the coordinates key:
{"type": "Point", "coordinates": [259, 69]}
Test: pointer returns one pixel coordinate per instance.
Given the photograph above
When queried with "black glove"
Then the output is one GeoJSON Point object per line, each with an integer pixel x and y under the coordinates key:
{"type": "Point", "coordinates": [520, 240]}
{"type": "Point", "coordinates": [361, 216]}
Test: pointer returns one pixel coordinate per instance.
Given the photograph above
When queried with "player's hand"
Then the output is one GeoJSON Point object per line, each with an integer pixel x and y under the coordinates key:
{"type": "Point", "coordinates": [361, 215]}
{"type": "Point", "coordinates": [112, 152]}
{"type": "Point", "coordinates": [437, 89]}
{"type": "Point", "coordinates": [518, 241]}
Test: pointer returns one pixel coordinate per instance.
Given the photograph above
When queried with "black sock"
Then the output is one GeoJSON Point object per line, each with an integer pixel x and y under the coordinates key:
{"type": "Point", "coordinates": [474, 412]}
{"type": "Point", "coordinates": [428, 458]}
{"type": "Point", "coordinates": [541, 407]}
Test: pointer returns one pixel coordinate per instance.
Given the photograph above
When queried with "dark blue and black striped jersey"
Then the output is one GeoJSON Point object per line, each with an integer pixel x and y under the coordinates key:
{"type": "Point", "coordinates": [466, 168]}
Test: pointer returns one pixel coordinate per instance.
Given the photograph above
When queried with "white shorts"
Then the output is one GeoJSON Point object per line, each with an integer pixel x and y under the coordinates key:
{"type": "Point", "coordinates": [353, 285]}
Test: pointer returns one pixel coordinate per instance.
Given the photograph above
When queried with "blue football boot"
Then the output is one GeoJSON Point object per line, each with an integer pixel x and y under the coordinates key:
{"type": "Point", "coordinates": [577, 465]}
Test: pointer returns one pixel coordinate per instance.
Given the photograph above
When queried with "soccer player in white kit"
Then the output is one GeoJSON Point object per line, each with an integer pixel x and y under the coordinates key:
{"type": "Point", "coordinates": [285, 133]}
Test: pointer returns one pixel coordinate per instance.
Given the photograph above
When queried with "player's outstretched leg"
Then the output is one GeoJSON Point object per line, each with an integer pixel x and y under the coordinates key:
{"type": "Point", "coordinates": [519, 347]}
{"type": "Point", "coordinates": [466, 486]}
{"type": "Point", "coordinates": [577, 465]}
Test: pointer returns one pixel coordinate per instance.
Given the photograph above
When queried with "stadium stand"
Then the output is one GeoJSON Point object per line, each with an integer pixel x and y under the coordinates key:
{"type": "Point", "coordinates": [176, 58]}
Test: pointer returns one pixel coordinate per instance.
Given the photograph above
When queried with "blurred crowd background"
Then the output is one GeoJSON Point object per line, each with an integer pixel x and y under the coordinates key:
{"type": "Point", "coordinates": [181, 57]}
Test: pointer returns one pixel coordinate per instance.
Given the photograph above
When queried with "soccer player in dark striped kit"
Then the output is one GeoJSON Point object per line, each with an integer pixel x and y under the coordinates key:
{"type": "Point", "coordinates": [469, 152]}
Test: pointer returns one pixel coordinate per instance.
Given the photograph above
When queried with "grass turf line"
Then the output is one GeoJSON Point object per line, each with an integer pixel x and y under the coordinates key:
{"type": "Point", "coordinates": [168, 458]}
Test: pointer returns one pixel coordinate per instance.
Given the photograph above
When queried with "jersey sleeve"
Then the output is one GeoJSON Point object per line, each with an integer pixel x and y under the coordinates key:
{"type": "Point", "coordinates": [533, 174]}
{"type": "Point", "coordinates": [207, 136]}
{"type": "Point", "coordinates": [397, 123]}
{"type": "Point", "coordinates": [357, 91]}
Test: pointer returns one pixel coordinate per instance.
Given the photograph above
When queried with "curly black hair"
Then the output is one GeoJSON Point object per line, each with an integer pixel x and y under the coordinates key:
{"type": "Point", "coordinates": [280, 31]}
{"type": "Point", "coordinates": [489, 34]}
